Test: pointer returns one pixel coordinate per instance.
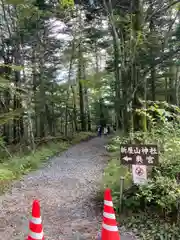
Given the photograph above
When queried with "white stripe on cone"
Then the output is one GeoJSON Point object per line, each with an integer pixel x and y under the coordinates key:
{"type": "Point", "coordinates": [108, 203]}
{"type": "Point", "coordinates": [109, 215]}
{"type": "Point", "coordinates": [37, 236]}
{"type": "Point", "coordinates": [36, 220]}
{"type": "Point", "coordinates": [110, 228]}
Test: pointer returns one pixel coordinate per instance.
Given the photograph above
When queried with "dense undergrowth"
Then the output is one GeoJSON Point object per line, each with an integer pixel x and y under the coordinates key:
{"type": "Point", "coordinates": [151, 210]}
{"type": "Point", "coordinates": [17, 165]}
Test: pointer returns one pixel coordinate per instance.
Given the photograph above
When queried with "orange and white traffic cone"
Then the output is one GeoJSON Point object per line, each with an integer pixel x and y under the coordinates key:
{"type": "Point", "coordinates": [35, 223]}
{"type": "Point", "coordinates": [109, 226]}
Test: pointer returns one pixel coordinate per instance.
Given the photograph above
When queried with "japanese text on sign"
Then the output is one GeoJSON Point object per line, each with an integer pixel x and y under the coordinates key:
{"type": "Point", "coordinates": [139, 154]}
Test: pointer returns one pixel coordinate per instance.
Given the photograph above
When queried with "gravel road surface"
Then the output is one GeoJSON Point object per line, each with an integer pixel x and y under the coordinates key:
{"type": "Point", "coordinates": [65, 187]}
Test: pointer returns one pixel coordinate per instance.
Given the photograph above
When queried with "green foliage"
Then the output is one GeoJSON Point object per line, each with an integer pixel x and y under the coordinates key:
{"type": "Point", "coordinates": [15, 2]}
{"type": "Point", "coordinates": [148, 227]}
{"type": "Point", "coordinates": [159, 112]}
{"type": "Point", "coordinates": [13, 67]}
{"type": "Point", "coordinates": [67, 3]}
{"type": "Point", "coordinates": [162, 193]}
{"type": "Point", "coordinates": [111, 178]}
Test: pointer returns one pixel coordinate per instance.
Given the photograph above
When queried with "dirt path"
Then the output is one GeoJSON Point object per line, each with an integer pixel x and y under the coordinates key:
{"type": "Point", "coordinates": [65, 188]}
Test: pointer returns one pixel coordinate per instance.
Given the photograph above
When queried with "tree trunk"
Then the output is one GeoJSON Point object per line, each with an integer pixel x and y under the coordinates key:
{"type": "Point", "coordinates": [81, 94]}
{"type": "Point", "coordinates": [18, 126]}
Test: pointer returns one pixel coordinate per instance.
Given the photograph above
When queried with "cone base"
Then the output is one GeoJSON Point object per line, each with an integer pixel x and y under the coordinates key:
{"type": "Point", "coordinates": [108, 235]}
{"type": "Point", "coordinates": [30, 238]}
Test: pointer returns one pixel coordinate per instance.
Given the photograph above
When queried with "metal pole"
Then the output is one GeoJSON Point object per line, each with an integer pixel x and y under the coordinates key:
{"type": "Point", "coordinates": [121, 193]}
{"type": "Point", "coordinates": [77, 236]}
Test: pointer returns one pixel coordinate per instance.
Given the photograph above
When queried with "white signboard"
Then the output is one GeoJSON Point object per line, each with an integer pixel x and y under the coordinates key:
{"type": "Point", "coordinates": [139, 174]}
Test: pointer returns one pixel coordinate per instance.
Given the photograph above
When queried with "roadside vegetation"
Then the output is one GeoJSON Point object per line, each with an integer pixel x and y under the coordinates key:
{"type": "Point", "coordinates": [151, 211]}
{"type": "Point", "coordinates": [17, 165]}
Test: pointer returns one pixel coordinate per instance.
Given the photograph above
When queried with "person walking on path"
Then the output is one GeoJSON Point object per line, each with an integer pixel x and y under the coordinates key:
{"type": "Point", "coordinates": [100, 131]}
{"type": "Point", "coordinates": [105, 131]}
{"type": "Point", "coordinates": [108, 129]}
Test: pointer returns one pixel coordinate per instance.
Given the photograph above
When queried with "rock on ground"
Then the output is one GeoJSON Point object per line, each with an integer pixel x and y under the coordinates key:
{"type": "Point", "coordinates": [65, 187]}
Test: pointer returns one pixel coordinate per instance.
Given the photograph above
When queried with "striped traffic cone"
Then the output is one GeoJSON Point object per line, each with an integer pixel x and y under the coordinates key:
{"type": "Point", "coordinates": [109, 226]}
{"type": "Point", "coordinates": [35, 223]}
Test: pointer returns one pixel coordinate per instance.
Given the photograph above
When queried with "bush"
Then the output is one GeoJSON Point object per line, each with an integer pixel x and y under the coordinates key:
{"type": "Point", "coordinates": [78, 137]}
{"type": "Point", "coordinates": [149, 226]}
{"type": "Point", "coordinates": [161, 194]}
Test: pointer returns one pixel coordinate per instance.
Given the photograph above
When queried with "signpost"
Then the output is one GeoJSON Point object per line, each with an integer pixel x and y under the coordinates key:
{"type": "Point", "coordinates": [139, 156]}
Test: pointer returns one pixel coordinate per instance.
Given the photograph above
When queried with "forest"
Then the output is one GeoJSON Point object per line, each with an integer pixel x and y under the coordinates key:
{"type": "Point", "coordinates": [68, 66]}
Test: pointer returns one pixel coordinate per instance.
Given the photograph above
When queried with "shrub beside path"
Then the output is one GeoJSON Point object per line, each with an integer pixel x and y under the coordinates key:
{"type": "Point", "coordinates": [66, 187]}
